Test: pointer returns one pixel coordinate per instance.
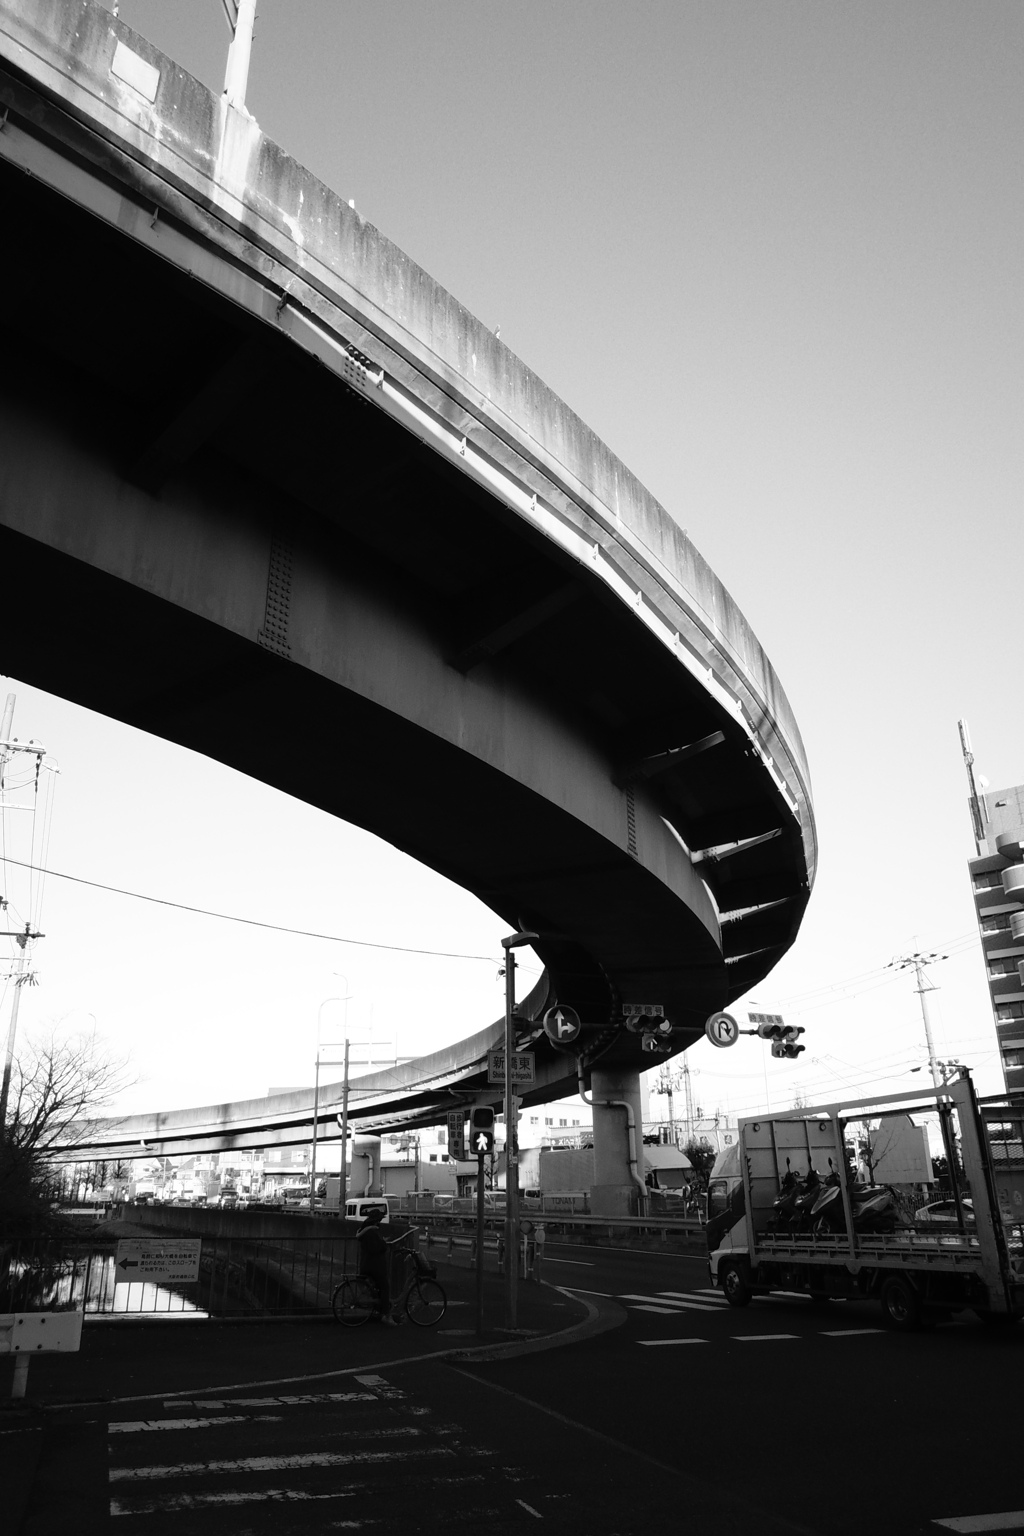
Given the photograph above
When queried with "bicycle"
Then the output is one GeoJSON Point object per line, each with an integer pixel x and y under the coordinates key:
{"type": "Point", "coordinates": [357, 1299]}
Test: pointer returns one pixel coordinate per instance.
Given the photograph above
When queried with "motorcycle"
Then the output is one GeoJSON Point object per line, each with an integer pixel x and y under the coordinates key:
{"type": "Point", "coordinates": [790, 1191]}
{"type": "Point", "coordinates": [873, 1207]}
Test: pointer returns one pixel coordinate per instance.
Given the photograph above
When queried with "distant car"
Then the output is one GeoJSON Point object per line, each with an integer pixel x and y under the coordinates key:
{"type": "Point", "coordinates": [944, 1211]}
{"type": "Point", "coordinates": [229, 1197]}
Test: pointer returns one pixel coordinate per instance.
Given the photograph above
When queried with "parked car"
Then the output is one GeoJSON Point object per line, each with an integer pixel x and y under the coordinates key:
{"type": "Point", "coordinates": [944, 1211]}
{"type": "Point", "coordinates": [229, 1197]}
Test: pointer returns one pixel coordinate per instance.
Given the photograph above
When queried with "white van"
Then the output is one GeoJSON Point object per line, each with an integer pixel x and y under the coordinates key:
{"type": "Point", "coordinates": [358, 1210]}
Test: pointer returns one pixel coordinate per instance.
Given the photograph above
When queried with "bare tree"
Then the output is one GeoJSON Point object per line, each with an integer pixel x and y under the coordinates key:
{"type": "Point", "coordinates": [58, 1082]}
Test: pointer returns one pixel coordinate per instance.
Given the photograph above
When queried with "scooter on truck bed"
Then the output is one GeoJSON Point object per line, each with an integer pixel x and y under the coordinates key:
{"type": "Point", "coordinates": [786, 1210]}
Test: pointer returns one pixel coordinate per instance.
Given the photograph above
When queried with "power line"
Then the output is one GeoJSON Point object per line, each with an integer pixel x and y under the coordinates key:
{"type": "Point", "coordinates": [250, 922]}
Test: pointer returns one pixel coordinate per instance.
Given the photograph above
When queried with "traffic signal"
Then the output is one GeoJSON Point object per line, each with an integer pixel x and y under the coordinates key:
{"type": "Point", "coordinates": [786, 1044]}
{"type": "Point", "coordinates": [656, 1035]}
{"type": "Point", "coordinates": [771, 1026]}
{"type": "Point", "coordinates": [481, 1130]}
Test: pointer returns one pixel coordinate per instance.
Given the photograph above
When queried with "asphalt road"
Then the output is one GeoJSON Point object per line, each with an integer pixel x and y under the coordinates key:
{"type": "Point", "coordinates": [691, 1416]}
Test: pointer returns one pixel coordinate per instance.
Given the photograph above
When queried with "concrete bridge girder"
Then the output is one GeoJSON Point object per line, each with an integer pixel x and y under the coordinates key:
{"type": "Point", "coordinates": [505, 657]}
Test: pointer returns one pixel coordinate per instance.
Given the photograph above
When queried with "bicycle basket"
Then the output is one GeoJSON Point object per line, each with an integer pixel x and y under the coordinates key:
{"type": "Point", "coordinates": [424, 1266]}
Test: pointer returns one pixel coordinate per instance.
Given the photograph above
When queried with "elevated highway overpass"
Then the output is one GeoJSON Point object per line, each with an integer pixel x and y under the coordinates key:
{"type": "Point", "coordinates": [263, 481]}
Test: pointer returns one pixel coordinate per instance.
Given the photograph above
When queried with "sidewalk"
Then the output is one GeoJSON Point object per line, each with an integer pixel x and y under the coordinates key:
{"type": "Point", "coordinates": [53, 1444]}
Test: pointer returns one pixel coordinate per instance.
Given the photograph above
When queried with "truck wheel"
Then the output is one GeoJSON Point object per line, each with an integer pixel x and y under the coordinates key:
{"type": "Point", "coordinates": [734, 1285]}
{"type": "Point", "coordinates": [900, 1304]}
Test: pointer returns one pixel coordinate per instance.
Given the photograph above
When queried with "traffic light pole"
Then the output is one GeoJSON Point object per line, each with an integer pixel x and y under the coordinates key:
{"type": "Point", "coordinates": [511, 1148]}
{"type": "Point", "coordinates": [510, 945]}
{"type": "Point", "coordinates": [480, 1243]}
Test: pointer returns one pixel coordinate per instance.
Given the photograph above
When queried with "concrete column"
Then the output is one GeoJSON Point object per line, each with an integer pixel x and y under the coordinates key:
{"type": "Point", "coordinates": [615, 1191]}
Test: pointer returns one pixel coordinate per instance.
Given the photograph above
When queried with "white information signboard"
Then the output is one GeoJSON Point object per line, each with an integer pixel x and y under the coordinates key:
{"type": "Point", "coordinates": [522, 1066]}
{"type": "Point", "coordinates": [161, 1260]}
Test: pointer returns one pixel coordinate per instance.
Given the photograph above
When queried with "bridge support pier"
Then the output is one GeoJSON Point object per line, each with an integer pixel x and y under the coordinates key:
{"type": "Point", "coordinates": [618, 1144]}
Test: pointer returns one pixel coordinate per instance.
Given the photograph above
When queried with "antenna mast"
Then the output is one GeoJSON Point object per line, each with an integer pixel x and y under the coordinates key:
{"type": "Point", "coordinates": [977, 801]}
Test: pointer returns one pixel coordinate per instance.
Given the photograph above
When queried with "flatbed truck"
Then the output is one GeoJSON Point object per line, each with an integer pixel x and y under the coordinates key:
{"type": "Point", "coordinates": [919, 1271]}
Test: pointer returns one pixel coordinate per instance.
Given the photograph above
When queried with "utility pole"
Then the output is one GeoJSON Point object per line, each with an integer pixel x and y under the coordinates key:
{"type": "Point", "coordinates": [21, 975]}
{"type": "Point", "coordinates": [917, 962]}
{"type": "Point", "coordinates": [668, 1082]}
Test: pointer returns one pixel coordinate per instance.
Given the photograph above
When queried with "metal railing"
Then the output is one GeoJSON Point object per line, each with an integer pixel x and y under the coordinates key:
{"type": "Point", "coordinates": [238, 1277]}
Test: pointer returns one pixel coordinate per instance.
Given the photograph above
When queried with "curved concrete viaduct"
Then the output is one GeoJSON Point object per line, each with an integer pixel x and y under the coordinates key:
{"type": "Point", "coordinates": [260, 473]}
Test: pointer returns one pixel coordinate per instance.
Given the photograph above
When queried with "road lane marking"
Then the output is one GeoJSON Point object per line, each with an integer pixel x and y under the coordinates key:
{"type": "Point", "coordinates": [697, 1299]}
{"type": "Point", "coordinates": [381, 1388]}
{"type": "Point", "coordinates": [298, 1462]}
{"type": "Point", "coordinates": [530, 1509]}
{"type": "Point", "coordinates": [658, 1343]}
{"type": "Point", "coordinates": [580, 1291]}
{"type": "Point", "coordinates": [579, 1264]}
{"type": "Point", "coordinates": [758, 1338]}
{"type": "Point", "coordinates": [665, 1304]}
{"type": "Point", "coordinates": [663, 1311]}
{"type": "Point", "coordinates": [206, 1500]}
{"type": "Point", "coordinates": [292, 1400]}
{"type": "Point", "coordinates": [137, 1426]}
{"type": "Point", "coordinates": [1012, 1521]}
{"type": "Point", "coordinates": [842, 1333]}
{"type": "Point", "coordinates": [736, 1503]}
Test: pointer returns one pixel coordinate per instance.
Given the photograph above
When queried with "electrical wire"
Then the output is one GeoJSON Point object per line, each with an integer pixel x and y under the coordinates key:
{"type": "Point", "coordinates": [252, 922]}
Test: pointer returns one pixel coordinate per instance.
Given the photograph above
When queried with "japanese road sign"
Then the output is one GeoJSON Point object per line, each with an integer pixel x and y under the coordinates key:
{"type": "Point", "coordinates": [562, 1024]}
{"type": "Point", "coordinates": [722, 1030]}
{"type": "Point", "coordinates": [522, 1066]}
{"type": "Point", "coordinates": [457, 1135]}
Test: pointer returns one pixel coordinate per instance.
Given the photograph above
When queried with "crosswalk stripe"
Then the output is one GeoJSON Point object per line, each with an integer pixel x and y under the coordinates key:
{"type": "Point", "coordinates": [698, 1299]}
{"type": "Point", "coordinates": [1013, 1520]}
{"type": "Point", "coordinates": [295, 1463]}
{"type": "Point", "coordinates": [138, 1426]}
{"type": "Point", "coordinates": [287, 1400]}
{"type": "Point", "coordinates": [842, 1333]}
{"type": "Point", "coordinates": [664, 1311]}
{"type": "Point", "coordinates": [664, 1300]}
{"type": "Point", "coordinates": [226, 1497]}
{"type": "Point", "coordinates": [761, 1338]}
{"type": "Point", "coordinates": [658, 1343]}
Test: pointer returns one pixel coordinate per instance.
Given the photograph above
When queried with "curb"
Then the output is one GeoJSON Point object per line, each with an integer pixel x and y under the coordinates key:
{"type": "Point", "coordinates": [599, 1319]}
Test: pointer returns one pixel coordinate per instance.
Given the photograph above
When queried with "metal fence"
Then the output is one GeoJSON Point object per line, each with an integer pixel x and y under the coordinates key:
{"type": "Point", "coordinates": [238, 1277]}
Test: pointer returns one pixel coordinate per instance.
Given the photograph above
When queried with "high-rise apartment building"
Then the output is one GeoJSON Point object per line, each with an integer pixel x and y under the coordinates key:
{"type": "Point", "coordinates": [997, 879]}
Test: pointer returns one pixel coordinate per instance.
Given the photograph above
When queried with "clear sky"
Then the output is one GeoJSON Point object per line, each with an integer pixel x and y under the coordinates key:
{"type": "Point", "coordinates": [771, 253]}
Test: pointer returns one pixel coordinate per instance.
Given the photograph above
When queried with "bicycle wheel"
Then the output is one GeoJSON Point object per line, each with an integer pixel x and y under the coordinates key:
{"type": "Point", "coordinates": [426, 1303]}
{"type": "Point", "coordinates": [355, 1301]}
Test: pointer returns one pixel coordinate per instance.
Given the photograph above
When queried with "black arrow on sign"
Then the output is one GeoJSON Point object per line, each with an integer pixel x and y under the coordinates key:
{"type": "Point", "coordinates": [128, 1264]}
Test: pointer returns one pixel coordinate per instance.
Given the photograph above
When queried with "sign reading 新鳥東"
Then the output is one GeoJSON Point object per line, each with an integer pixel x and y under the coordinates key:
{"type": "Point", "coordinates": [159, 1260]}
{"type": "Point", "coordinates": [522, 1066]}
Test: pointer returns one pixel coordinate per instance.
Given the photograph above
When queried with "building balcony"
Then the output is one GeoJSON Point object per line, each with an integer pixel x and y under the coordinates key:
{"type": "Point", "coordinates": [1017, 927]}
{"type": "Point", "coordinates": [1010, 845]}
{"type": "Point", "coordinates": [1013, 882]}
